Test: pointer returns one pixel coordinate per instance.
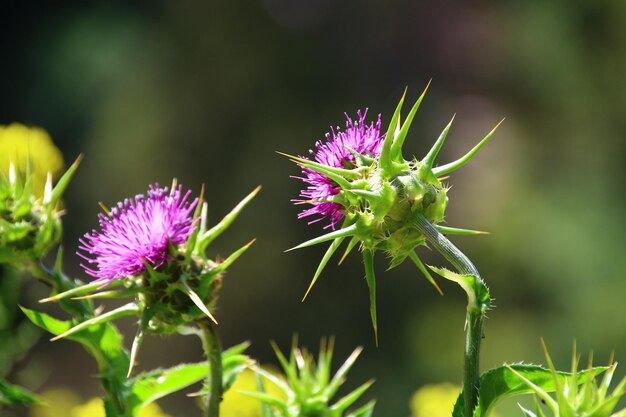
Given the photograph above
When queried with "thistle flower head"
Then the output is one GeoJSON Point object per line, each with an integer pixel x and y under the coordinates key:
{"type": "Point", "coordinates": [338, 151]}
{"type": "Point", "coordinates": [153, 249]}
{"type": "Point", "coordinates": [137, 232]}
{"type": "Point", "coordinates": [363, 178]}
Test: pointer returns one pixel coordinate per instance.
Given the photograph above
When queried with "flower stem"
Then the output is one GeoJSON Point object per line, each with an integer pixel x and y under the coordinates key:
{"type": "Point", "coordinates": [475, 312]}
{"type": "Point", "coordinates": [213, 349]}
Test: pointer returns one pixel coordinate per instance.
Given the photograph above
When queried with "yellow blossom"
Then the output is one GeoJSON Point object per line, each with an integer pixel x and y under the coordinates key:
{"type": "Point", "coordinates": [19, 144]}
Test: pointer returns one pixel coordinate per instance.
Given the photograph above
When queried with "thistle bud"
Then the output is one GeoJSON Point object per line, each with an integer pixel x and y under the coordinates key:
{"type": "Point", "coordinates": [360, 178]}
{"type": "Point", "coordinates": [30, 209]}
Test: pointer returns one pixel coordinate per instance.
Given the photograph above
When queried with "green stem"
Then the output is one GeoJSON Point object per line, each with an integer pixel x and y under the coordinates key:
{"type": "Point", "coordinates": [213, 349]}
{"type": "Point", "coordinates": [475, 312]}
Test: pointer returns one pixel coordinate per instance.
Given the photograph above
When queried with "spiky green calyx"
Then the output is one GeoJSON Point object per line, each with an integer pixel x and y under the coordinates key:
{"type": "Point", "coordinates": [309, 387]}
{"type": "Point", "coordinates": [30, 223]}
{"type": "Point", "coordinates": [382, 198]}
{"type": "Point", "coordinates": [181, 291]}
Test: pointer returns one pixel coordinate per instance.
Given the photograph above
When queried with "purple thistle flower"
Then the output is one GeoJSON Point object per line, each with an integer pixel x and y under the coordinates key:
{"type": "Point", "coordinates": [335, 152]}
{"type": "Point", "coordinates": [136, 231]}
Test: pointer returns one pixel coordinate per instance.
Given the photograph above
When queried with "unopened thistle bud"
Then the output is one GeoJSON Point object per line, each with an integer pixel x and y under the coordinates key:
{"type": "Point", "coordinates": [30, 216]}
{"type": "Point", "coordinates": [360, 178]}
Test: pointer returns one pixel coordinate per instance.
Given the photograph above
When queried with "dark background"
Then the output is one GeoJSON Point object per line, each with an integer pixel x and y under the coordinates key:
{"type": "Point", "coordinates": [207, 91]}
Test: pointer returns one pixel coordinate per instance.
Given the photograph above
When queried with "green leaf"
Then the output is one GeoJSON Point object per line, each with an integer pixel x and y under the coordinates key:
{"type": "Point", "coordinates": [13, 395]}
{"type": "Point", "coordinates": [329, 253]}
{"type": "Point", "coordinates": [477, 292]}
{"type": "Point", "coordinates": [149, 387]}
{"type": "Point", "coordinates": [102, 341]}
{"type": "Point", "coordinates": [502, 382]}
{"type": "Point", "coordinates": [370, 277]}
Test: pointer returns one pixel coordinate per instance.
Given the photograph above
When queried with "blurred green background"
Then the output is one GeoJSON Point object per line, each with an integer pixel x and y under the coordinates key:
{"type": "Point", "coordinates": [207, 91]}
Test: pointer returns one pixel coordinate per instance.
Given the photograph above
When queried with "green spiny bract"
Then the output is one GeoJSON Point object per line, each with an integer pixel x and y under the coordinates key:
{"type": "Point", "coordinates": [182, 291]}
{"type": "Point", "coordinates": [30, 224]}
{"type": "Point", "coordinates": [382, 195]}
{"type": "Point", "coordinates": [309, 387]}
{"type": "Point", "coordinates": [573, 399]}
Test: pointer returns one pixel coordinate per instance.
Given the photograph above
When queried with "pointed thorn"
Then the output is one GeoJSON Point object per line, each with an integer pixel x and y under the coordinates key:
{"type": "Point", "coordinates": [453, 166]}
{"type": "Point", "coordinates": [429, 159]}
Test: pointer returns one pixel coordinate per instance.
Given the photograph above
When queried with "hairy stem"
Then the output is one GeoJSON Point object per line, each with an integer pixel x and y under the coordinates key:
{"type": "Point", "coordinates": [213, 349]}
{"type": "Point", "coordinates": [475, 312]}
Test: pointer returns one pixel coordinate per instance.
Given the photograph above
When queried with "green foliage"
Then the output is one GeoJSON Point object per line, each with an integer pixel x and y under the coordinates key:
{"type": "Point", "coordinates": [309, 388]}
{"type": "Point", "coordinates": [509, 380]}
{"type": "Point", "coordinates": [12, 395]}
{"type": "Point", "coordinates": [591, 398]}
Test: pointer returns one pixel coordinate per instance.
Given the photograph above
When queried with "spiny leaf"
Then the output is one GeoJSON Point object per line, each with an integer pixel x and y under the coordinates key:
{"type": "Point", "coordinates": [195, 298]}
{"type": "Point", "coordinates": [350, 398]}
{"type": "Point", "coordinates": [13, 395]}
{"type": "Point", "coordinates": [353, 242]}
{"type": "Point", "coordinates": [398, 141]}
{"type": "Point", "coordinates": [123, 311]}
{"type": "Point", "coordinates": [64, 181]}
{"type": "Point", "coordinates": [78, 291]}
{"type": "Point", "coordinates": [368, 261]}
{"type": "Point", "coordinates": [224, 265]}
{"type": "Point", "coordinates": [340, 375]}
{"type": "Point", "coordinates": [216, 230]}
{"type": "Point", "coordinates": [456, 231]}
{"type": "Point", "coordinates": [420, 265]}
{"type": "Point", "coordinates": [384, 160]}
{"type": "Point", "coordinates": [149, 387]}
{"type": "Point", "coordinates": [504, 381]}
{"type": "Point", "coordinates": [329, 253]}
{"type": "Point", "coordinates": [343, 232]}
{"type": "Point", "coordinates": [429, 159]}
{"type": "Point", "coordinates": [453, 166]}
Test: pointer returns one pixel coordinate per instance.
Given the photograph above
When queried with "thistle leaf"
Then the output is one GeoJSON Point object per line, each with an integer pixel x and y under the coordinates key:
{"type": "Point", "coordinates": [368, 261]}
{"type": "Point", "coordinates": [429, 159]}
{"type": "Point", "coordinates": [420, 265]}
{"type": "Point", "coordinates": [195, 298]}
{"type": "Point", "coordinates": [398, 140]}
{"type": "Point", "coordinates": [226, 263]}
{"type": "Point", "coordinates": [14, 395]}
{"type": "Point", "coordinates": [342, 404]}
{"type": "Point", "coordinates": [64, 181]}
{"type": "Point", "coordinates": [351, 246]}
{"type": "Point", "coordinates": [216, 230]}
{"type": "Point", "coordinates": [329, 253]}
{"type": "Point", "coordinates": [453, 166]}
{"type": "Point", "coordinates": [456, 231]}
{"type": "Point", "coordinates": [343, 232]}
{"type": "Point", "coordinates": [385, 154]}
{"type": "Point", "coordinates": [123, 311]}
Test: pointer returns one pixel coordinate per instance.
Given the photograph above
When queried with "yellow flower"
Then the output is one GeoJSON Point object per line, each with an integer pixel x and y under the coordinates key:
{"type": "Point", "coordinates": [19, 144]}
{"type": "Point", "coordinates": [66, 403]}
{"type": "Point", "coordinates": [434, 400]}
{"type": "Point", "coordinates": [235, 404]}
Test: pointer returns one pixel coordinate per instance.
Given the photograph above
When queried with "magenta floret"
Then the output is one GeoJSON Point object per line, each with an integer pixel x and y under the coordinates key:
{"type": "Point", "coordinates": [335, 151]}
{"type": "Point", "coordinates": [138, 230]}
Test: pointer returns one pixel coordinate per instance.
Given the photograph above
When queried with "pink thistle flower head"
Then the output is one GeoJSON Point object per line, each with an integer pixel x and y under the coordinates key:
{"type": "Point", "coordinates": [338, 151]}
{"type": "Point", "coordinates": [138, 231]}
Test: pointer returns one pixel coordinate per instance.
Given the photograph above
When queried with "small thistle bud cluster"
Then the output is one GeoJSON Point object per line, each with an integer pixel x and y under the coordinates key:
{"type": "Point", "coordinates": [576, 396]}
{"type": "Point", "coordinates": [361, 178]}
{"type": "Point", "coordinates": [153, 249]}
{"type": "Point", "coordinates": [30, 222]}
{"type": "Point", "coordinates": [309, 388]}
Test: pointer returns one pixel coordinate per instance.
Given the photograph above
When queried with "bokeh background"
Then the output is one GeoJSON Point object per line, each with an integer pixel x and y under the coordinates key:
{"type": "Point", "coordinates": [208, 91]}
